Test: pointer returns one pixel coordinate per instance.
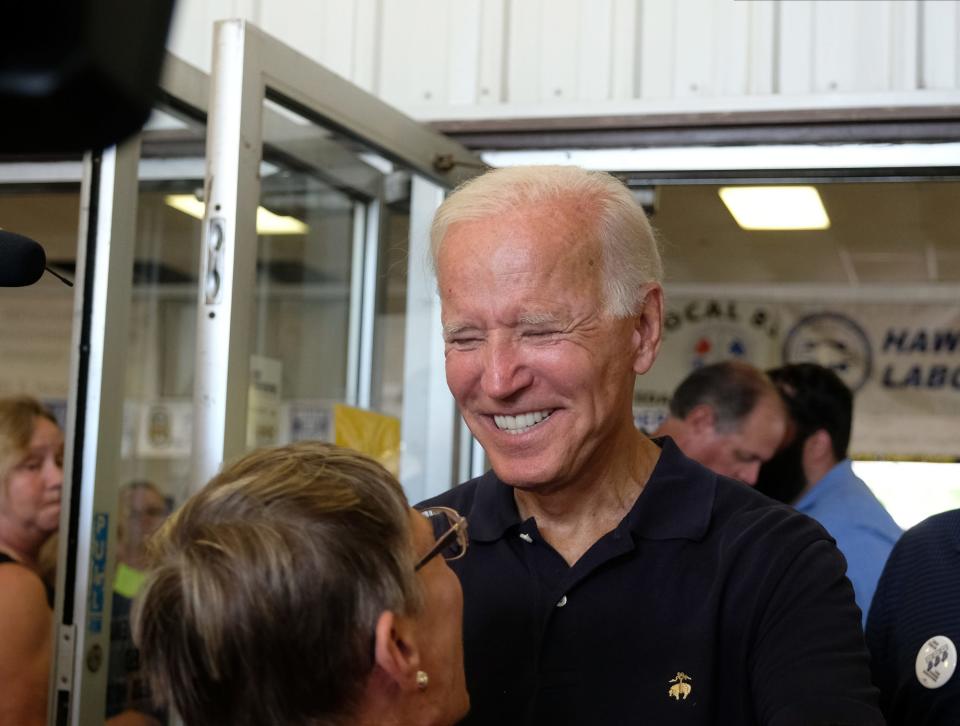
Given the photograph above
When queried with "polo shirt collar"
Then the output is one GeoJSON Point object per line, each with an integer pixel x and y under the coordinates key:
{"type": "Point", "coordinates": [839, 477]}
{"type": "Point", "coordinates": [494, 510]}
{"type": "Point", "coordinates": [677, 502]}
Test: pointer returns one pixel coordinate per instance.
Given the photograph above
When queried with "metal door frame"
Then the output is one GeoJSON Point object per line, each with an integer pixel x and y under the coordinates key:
{"type": "Point", "coordinates": [82, 610]}
{"type": "Point", "coordinates": [250, 66]}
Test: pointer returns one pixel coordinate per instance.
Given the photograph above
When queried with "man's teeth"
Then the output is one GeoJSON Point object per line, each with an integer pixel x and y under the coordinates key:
{"type": "Point", "coordinates": [521, 423]}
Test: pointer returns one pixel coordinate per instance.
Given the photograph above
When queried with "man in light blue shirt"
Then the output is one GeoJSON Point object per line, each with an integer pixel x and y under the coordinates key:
{"type": "Point", "coordinates": [812, 472]}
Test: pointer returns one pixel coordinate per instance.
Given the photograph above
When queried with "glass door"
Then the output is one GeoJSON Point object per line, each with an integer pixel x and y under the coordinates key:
{"type": "Point", "coordinates": [130, 384]}
{"type": "Point", "coordinates": [251, 270]}
{"type": "Point", "coordinates": [313, 270]}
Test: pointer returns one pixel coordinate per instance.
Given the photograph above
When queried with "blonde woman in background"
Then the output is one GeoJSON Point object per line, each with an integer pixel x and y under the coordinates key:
{"type": "Point", "coordinates": [31, 478]}
{"type": "Point", "coordinates": [141, 510]}
{"type": "Point", "coordinates": [298, 587]}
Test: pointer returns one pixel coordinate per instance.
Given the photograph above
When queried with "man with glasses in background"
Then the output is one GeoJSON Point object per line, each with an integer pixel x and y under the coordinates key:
{"type": "Point", "coordinates": [610, 579]}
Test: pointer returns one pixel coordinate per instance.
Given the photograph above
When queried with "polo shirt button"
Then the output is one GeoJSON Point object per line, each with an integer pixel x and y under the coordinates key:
{"type": "Point", "coordinates": [562, 601]}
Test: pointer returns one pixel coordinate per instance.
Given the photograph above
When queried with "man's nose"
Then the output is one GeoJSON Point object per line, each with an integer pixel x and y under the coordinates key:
{"type": "Point", "coordinates": [750, 473]}
{"type": "Point", "coordinates": [505, 372]}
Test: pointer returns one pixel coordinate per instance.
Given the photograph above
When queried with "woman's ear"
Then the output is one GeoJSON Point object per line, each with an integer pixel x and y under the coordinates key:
{"type": "Point", "coordinates": [395, 651]}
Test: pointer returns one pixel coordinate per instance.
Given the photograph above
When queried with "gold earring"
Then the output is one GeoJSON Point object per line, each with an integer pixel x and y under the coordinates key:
{"type": "Point", "coordinates": [422, 680]}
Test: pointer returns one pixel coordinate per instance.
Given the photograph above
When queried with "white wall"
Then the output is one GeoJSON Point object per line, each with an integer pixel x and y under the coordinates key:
{"type": "Point", "coordinates": [439, 59]}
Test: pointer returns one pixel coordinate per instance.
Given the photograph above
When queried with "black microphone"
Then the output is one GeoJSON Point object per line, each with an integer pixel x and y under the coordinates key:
{"type": "Point", "coordinates": [22, 261]}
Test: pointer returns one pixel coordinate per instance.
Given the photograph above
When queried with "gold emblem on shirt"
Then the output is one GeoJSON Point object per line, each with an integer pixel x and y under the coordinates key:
{"type": "Point", "coordinates": [680, 687]}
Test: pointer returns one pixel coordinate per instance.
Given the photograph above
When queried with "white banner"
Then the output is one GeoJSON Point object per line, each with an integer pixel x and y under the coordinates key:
{"type": "Point", "coordinates": [902, 360]}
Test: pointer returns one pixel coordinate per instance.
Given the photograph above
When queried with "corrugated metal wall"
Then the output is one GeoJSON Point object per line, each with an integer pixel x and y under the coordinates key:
{"type": "Point", "coordinates": [495, 58]}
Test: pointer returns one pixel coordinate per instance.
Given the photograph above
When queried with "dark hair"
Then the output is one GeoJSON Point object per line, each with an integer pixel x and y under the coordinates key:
{"type": "Point", "coordinates": [267, 585]}
{"type": "Point", "coordinates": [817, 399]}
{"type": "Point", "coordinates": [732, 388]}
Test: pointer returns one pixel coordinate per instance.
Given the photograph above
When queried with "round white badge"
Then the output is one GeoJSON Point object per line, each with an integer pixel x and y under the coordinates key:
{"type": "Point", "coordinates": [936, 661]}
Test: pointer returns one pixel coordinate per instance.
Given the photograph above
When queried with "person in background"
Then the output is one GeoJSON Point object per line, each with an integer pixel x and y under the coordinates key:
{"type": "Point", "coordinates": [610, 579]}
{"type": "Point", "coordinates": [913, 630]}
{"type": "Point", "coordinates": [141, 510]}
{"type": "Point", "coordinates": [31, 479]}
{"type": "Point", "coordinates": [729, 417]}
{"type": "Point", "coordinates": [298, 587]}
{"type": "Point", "coordinates": [812, 472]}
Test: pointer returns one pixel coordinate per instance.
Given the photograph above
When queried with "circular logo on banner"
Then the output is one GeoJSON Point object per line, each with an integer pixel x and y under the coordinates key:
{"type": "Point", "coordinates": [936, 661]}
{"type": "Point", "coordinates": [833, 341]}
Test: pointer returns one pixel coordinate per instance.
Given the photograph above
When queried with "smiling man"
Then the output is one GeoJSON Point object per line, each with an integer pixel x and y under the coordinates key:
{"type": "Point", "coordinates": [729, 417]}
{"type": "Point", "coordinates": [610, 579]}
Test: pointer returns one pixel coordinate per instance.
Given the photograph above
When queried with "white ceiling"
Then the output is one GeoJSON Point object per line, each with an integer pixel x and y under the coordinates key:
{"type": "Point", "coordinates": [881, 232]}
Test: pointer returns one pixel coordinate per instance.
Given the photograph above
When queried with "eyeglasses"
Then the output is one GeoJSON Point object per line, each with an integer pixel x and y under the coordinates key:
{"type": "Point", "coordinates": [151, 512]}
{"type": "Point", "coordinates": [450, 531]}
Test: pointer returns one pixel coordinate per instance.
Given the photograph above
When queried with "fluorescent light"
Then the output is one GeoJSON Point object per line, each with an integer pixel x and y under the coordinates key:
{"type": "Point", "coordinates": [792, 207]}
{"type": "Point", "coordinates": [267, 221]}
{"type": "Point", "coordinates": [270, 223]}
{"type": "Point", "coordinates": [186, 203]}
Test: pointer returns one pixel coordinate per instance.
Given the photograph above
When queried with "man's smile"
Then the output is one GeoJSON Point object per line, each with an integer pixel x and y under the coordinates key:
{"type": "Point", "coordinates": [521, 423]}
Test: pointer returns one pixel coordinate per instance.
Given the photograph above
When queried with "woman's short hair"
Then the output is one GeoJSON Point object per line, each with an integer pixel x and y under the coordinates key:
{"type": "Point", "coordinates": [266, 586]}
{"type": "Point", "coordinates": [18, 417]}
{"type": "Point", "coordinates": [630, 254]}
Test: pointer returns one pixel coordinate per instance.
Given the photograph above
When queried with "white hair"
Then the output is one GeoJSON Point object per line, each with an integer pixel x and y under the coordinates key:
{"type": "Point", "coordinates": [630, 255]}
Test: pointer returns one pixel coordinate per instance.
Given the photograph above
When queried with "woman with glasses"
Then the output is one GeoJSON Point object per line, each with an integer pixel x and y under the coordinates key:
{"type": "Point", "coordinates": [31, 477]}
{"type": "Point", "coordinates": [298, 587]}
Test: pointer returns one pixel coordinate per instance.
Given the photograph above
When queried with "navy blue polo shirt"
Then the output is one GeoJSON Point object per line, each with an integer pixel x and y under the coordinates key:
{"type": "Point", "coordinates": [918, 599]}
{"type": "Point", "coordinates": [708, 604]}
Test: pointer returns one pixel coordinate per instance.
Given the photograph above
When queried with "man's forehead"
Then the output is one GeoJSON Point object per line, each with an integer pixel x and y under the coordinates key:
{"type": "Point", "coordinates": [763, 427]}
{"type": "Point", "coordinates": [532, 317]}
{"type": "Point", "coordinates": [769, 410]}
{"type": "Point", "coordinates": [538, 317]}
{"type": "Point", "coordinates": [551, 219]}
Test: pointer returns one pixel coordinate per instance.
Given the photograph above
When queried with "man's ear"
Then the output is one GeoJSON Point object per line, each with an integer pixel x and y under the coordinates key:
{"type": "Point", "coordinates": [819, 447]}
{"type": "Point", "coordinates": [395, 651]}
{"type": "Point", "coordinates": [701, 419]}
{"type": "Point", "coordinates": [648, 328]}
{"type": "Point", "coordinates": [817, 456]}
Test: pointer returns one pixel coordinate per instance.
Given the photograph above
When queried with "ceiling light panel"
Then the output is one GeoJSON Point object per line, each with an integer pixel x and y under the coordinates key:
{"type": "Point", "coordinates": [268, 223]}
{"type": "Point", "coordinates": [776, 208]}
